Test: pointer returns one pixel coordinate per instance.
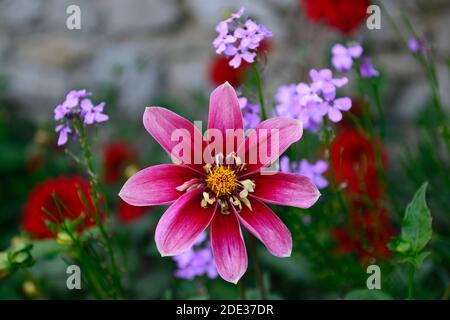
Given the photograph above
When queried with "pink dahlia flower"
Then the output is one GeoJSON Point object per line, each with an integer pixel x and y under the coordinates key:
{"type": "Point", "coordinates": [221, 190]}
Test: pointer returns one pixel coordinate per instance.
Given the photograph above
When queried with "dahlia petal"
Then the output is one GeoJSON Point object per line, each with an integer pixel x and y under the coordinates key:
{"type": "Point", "coordinates": [224, 110]}
{"type": "Point", "coordinates": [182, 223]}
{"type": "Point", "coordinates": [265, 225]}
{"type": "Point", "coordinates": [173, 133]}
{"type": "Point", "coordinates": [156, 185]}
{"type": "Point", "coordinates": [228, 247]}
{"type": "Point", "coordinates": [286, 189]}
{"type": "Point", "coordinates": [258, 150]}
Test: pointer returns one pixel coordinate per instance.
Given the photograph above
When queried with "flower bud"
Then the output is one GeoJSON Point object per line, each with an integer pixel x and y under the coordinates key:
{"type": "Point", "coordinates": [30, 289]}
{"type": "Point", "coordinates": [20, 256]}
{"type": "Point", "coordinates": [4, 265]}
{"type": "Point", "coordinates": [64, 239]}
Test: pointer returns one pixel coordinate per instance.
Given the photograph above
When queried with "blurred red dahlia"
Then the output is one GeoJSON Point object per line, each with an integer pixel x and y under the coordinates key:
{"type": "Point", "coordinates": [368, 235]}
{"type": "Point", "coordinates": [116, 157]}
{"type": "Point", "coordinates": [220, 71]}
{"type": "Point", "coordinates": [343, 15]}
{"type": "Point", "coordinates": [128, 213]}
{"type": "Point", "coordinates": [353, 159]}
{"type": "Point", "coordinates": [66, 190]}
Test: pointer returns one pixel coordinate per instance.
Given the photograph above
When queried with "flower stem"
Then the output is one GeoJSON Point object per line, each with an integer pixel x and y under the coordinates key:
{"type": "Point", "coordinates": [258, 270]}
{"type": "Point", "coordinates": [241, 287]}
{"type": "Point", "coordinates": [260, 91]}
{"type": "Point", "coordinates": [334, 185]}
{"type": "Point", "coordinates": [411, 272]}
{"type": "Point", "coordinates": [95, 198]}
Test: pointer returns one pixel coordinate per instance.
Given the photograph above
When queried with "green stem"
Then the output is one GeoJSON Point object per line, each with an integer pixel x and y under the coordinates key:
{"type": "Point", "coordinates": [411, 272]}
{"type": "Point", "coordinates": [377, 98]}
{"type": "Point", "coordinates": [241, 287]}
{"type": "Point", "coordinates": [95, 198]}
{"type": "Point", "coordinates": [93, 274]}
{"type": "Point", "coordinates": [258, 271]}
{"type": "Point", "coordinates": [260, 91]}
{"type": "Point", "coordinates": [334, 186]}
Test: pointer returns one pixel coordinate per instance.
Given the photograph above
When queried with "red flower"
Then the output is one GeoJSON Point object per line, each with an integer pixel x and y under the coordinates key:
{"type": "Point", "coordinates": [220, 191]}
{"type": "Point", "coordinates": [367, 230]}
{"type": "Point", "coordinates": [220, 71]}
{"type": "Point", "coordinates": [343, 15]}
{"type": "Point", "coordinates": [353, 160]}
{"type": "Point", "coordinates": [66, 190]}
{"type": "Point", "coordinates": [128, 213]}
{"type": "Point", "coordinates": [367, 236]}
{"type": "Point", "coordinates": [116, 157]}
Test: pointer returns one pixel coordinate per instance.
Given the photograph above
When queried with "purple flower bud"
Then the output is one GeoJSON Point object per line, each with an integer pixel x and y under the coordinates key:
{"type": "Point", "coordinates": [367, 69]}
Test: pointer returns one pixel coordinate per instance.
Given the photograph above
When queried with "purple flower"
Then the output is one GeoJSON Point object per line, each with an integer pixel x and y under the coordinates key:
{"type": "Point", "coordinates": [64, 131]}
{"type": "Point", "coordinates": [367, 69]}
{"type": "Point", "coordinates": [240, 54]}
{"type": "Point", "coordinates": [416, 45]}
{"type": "Point", "coordinates": [286, 99]}
{"type": "Point", "coordinates": [92, 114]}
{"type": "Point", "coordinates": [77, 105]}
{"type": "Point", "coordinates": [299, 102]}
{"type": "Point", "coordinates": [334, 107]}
{"type": "Point", "coordinates": [71, 102]}
{"type": "Point", "coordinates": [197, 261]}
{"type": "Point", "coordinates": [307, 94]}
{"type": "Point", "coordinates": [314, 171]}
{"type": "Point", "coordinates": [342, 57]}
{"type": "Point", "coordinates": [250, 113]}
{"type": "Point", "coordinates": [324, 82]}
{"type": "Point", "coordinates": [224, 39]}
{"type": "Point", "coordinates": [309, 103]}
{"type": "Point", "coordinates": [286, 165]}
{"type": "Point", "coordinates": [239, 38]}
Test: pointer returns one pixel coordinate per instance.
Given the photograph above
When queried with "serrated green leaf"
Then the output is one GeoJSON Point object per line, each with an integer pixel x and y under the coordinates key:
{"type": "Point", "coordinates": [416, 226]}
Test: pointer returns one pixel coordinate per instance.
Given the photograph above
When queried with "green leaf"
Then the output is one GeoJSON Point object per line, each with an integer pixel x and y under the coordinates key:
{"type": "Point", "coordinates": [416, 226]}
{"type": "Point", "coordinates": [366, 294]}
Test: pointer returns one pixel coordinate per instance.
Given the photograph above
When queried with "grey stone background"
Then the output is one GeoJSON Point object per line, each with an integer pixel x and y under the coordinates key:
{"type": "Point", "coordinates": [165, 47]}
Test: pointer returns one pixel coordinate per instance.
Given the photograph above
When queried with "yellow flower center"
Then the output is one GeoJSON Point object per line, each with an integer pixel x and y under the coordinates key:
{"type": "Point", "coordinates": [222, 181]}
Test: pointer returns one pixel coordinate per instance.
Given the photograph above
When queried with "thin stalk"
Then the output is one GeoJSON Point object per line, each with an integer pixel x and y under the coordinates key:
{"type": "Point", "coordinates": [95, 198]}
{"type": "Point", "coordinates": [241, 287]}
{"type": "Point", "coordinates": [92, 271]}
{"type": "Point", "coordinates": [377, 98]}
{"type": "Point", "coordinates": [334, 186]}
{"type": "Point", "coordinates": [258, 270]}
{"type": "Point", "coordinates": [260, 91]}
{"type": "Point", "coordinates": [411, 272]}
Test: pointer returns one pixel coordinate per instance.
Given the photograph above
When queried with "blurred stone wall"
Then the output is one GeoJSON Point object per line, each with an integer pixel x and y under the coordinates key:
{"type": "Point", "coordinates": [149, 47]}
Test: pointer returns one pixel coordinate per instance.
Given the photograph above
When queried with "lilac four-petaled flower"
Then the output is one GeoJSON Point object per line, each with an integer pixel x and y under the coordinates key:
{"type": "Point", "coordinates": [314, 171]}
{"type": "Point", "coordinates": [197, 261]}
{"type": "Point", "coordinates": [239, 38]}
{"type": "Point", "coordinates": [342, 58]}
{"type": "Point", "coordinates": [250, 113]}
{"type": "Point", "coordinates": [77, 105]}
{"type": "Point", "coordinates": [92, 114]}
{"type": "Point", "coordinates": [309, 103]}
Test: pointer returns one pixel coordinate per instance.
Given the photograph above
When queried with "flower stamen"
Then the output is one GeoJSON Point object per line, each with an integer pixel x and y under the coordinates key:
{"type": "Point", "coordinates": [222, 180]}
